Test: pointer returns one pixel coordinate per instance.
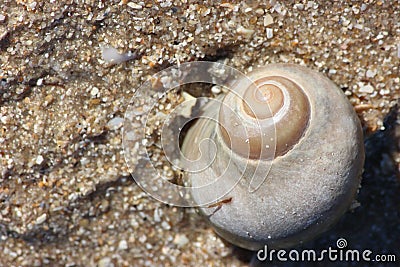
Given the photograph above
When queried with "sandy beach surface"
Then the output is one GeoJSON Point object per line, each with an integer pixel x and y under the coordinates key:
{"type": "Point", "coordinates": [66, 194]}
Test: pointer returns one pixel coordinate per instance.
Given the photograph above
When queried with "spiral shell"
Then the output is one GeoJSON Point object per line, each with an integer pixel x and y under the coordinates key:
{"type": "Point", "coordinates": [289, 150]}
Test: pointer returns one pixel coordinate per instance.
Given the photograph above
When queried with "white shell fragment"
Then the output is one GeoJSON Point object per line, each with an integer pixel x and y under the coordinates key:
{"type": "Point", "coordinates": [111, 55]}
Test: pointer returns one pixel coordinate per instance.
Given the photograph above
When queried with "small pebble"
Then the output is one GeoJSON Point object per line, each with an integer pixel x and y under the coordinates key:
{"type": "Point", "coordinates": [115, 123]}
{"type": "Point", "coordinates": [260, 11]}
{"type": "Point", "coordinates": [359, 26]}
{"type": "Point", "coordinates": [366, 89]}
{"type": "Point", "coordinates": [181, 240]}
{"type": "Point", "coordinates": [398, 50]}
{"type": "Point", "coordinates": [248, 9]}
{"type": "Point", "coordinates": [299, 6]}
{"type": "Point", "coordinates": [370, 74]}
{"type": "Point", "coordinates": [157, 215]}
{"type": "Point", "coordinates": [134, 5]}
{"type": "Point", "coordinates": [379, 36]}
{"type": "Point", "coordinates": [165, 225]}
{"type": "Point", "coordinates": [39, 159]}
{"type": "Point", "coordinates": [247, 33]}
{"type": "Point", "coordinates": [384, 92]}
{"type": "Point", "coordinates": [105, 205]}
{"type": "Point", "coordinates": [4, 119]}
{"type": "Point", "coordinates": [41, 219]}
{"type": "Point", "coordinates": [216, 89]}
{"type": "Point", "coordinates": [94, 91]}
{"type": "Point", "coordinates": [279, 8]}
{"type": "Point", "coordinates": [2, 18]}
{"type": "Point", "coordinates": [105, 262]}
{"type": "Point", "coordinates": [123, 245]}
{"type": "Point", "coordinates": [363, 7]}
{"type": "Point", "coordinates": [142, 239]}
{"type": "Point", "coordinates": [33, 5]}
{"type": "Point", "coordinates": [270, 33]}
{"type": "Point", "coordinates": [268, 20]}
{"type": "Point", "coordinates": [48, 100]}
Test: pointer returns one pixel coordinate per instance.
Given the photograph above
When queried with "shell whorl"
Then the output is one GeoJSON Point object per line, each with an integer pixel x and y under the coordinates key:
{"type": "Point", "coordinates": [267, 119]}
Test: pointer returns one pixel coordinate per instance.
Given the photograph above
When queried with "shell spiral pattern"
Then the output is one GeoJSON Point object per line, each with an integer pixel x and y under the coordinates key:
{"type": "Point", "coordinates": [295, 141]}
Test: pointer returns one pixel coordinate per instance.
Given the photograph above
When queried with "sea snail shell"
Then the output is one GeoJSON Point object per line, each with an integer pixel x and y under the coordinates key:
{"type": "Point", "coordinates": [307, 176]}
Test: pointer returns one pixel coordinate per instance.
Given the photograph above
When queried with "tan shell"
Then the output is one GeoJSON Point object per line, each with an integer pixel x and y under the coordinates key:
{"type": "Point", "coordinates": [296, 194]}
